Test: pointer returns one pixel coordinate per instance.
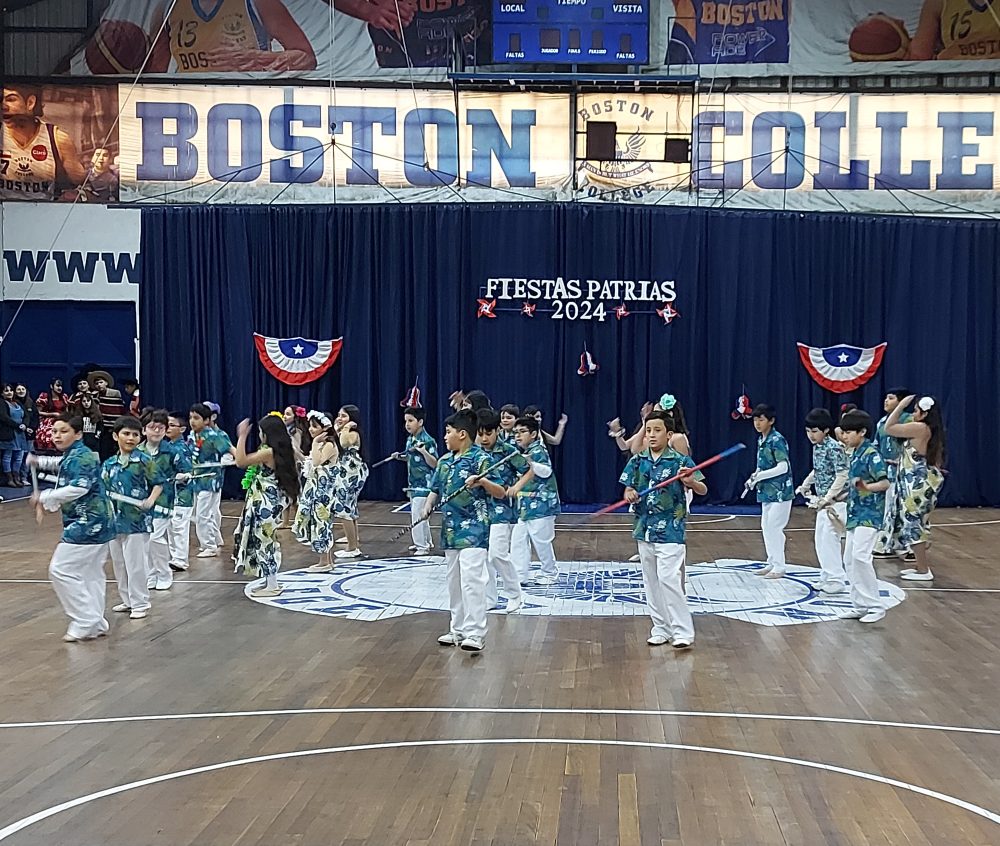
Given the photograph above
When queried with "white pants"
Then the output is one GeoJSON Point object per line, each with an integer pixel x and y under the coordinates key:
{"type": "Point", "coordinates": [208, 518]}
{"type": "Point", "coordinates": [661, 578]}
{"type": "Point", "coordinates": [467, 591]}
{"type": "Point", "coordinates": [860, 570]}
{"type": "Point", "coordinates": [77, 574]}
{"type": "Point", "coordinates": [498, 560]}
{"type": "Point", "coordinates": [520, 549]}
{"type": "Point", "coordinates": [130, 557]}
{"type": "Point", "coordinates": [773, 519]}
{"type": "Point", "coordinates": [541, 532]}
{"type": "Point", "coordinates": [827, 539]}
{"type": "Point", "coordinates": [159, 551]}
{"type": "Point", "coordinates": [421, 533]}
{"type": "Point", "coordinates": [179, 536]}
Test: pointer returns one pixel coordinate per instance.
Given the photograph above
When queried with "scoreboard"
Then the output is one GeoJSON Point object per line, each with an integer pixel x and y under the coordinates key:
{"type": "Point", "coordinates": [571, 31]}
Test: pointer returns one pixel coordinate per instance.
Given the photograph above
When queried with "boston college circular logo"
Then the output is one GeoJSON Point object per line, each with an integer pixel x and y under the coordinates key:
{"type": "Point", "coordinates": [39, 152]}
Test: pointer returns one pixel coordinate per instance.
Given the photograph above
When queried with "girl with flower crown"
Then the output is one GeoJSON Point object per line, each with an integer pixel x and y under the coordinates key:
{"type": "Point", "coordinates": [918, 481]}
{"type": "Point", "coordinates": [314, 519]}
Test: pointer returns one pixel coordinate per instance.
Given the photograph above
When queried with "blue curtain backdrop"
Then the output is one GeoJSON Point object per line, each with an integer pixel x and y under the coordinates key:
{"type": "Point", "coordinates": [400, 284]}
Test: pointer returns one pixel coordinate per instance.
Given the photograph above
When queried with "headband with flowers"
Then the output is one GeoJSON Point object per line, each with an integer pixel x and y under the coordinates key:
{"type": "Point", "coordinates": [925, 403]}
{"type": "Point", "coordinates": [320, 417]}
{"type": "Point", "coordinates": [276, 414]}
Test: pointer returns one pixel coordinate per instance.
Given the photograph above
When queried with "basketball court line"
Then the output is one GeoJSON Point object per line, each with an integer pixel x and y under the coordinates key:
{"type": "Point", "coordinates": [25, 822]}
{"type": "Point", "coordinates": [510, 711]}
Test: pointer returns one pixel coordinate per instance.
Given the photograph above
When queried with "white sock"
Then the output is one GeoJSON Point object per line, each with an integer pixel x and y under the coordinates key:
{"type": "Point", "coordinates": [272, 580]}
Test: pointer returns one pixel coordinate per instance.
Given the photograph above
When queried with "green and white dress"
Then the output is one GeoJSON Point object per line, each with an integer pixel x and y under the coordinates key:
{"type": "Point", "coordinates": [256, 549]}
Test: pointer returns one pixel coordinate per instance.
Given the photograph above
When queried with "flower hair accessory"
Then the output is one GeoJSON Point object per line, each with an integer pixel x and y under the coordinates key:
{"type": "Point", "coordinates": [276, 414]}
{"type": "Point", "coordinates": [298, 411]}
{"type": "Point", "coordinates": [216, 408]}
{"type": "Point", "coordinates": [321, 418]}
{"type": "Point", "coordinates": [668, 401]}
{"type": "Point", "coordinates": [925, 403]}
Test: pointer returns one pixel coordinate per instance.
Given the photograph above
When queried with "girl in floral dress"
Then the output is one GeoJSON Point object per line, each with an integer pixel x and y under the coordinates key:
{"type": "Point", "coordinates": [918, 481]}
{"type": "Point", "coordinates": [352, 472]}
{"type": "Point", "coordinates": [314, 520]}
{"type": "Point", "coordinates": [272, 487]}
{"type": "Point", "coordinates": [49, 405]}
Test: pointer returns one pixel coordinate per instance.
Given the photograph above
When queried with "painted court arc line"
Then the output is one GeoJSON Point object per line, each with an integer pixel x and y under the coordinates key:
{"type": "Point", "coordinates": [525, 711]}
{"type": "Point", "coordinates": [20, 825]}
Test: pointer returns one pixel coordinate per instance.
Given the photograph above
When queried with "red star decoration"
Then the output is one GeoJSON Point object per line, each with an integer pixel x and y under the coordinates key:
{"type": "Point", "coordinates": [668, 313]}
{"type": "Point", "coordinates": [528, 309]}
{"type": "Point", "coordinates": [486, 308]}
{"type": "Point", "coordinates": [622, 311]}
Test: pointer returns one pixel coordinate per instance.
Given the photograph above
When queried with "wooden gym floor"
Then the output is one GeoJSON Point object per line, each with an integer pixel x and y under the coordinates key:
{"type": "Point", "coordinates": [221, 721]}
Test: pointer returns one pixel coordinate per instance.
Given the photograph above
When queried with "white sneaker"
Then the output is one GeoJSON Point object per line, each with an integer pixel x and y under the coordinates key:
{"type": "Point", "coordinates": [340, 541]}
{"type": "Point", "coordinates": [775, 573]}
{"type": "Point", "coordinates": [633, 558]}
{"type": "Point", "coordinates": [514, 605]}
{"type": "Point", "coordinates": [421, 552]}
{"type": "Point", "coordinates": [163, 584]}
{"type": "Point", "coordinates": [544, 580]}
{"type": "Point", "coordinates": [179, 566]}
{"type": "Point", "coordinates": [320, 568]}
{"type": "Point", "coordinates": [918, 577]}
{"type": "Point", "coordinates": [121, 608]}
{"type": "Point", "coordinates": [410, 548]}
{"type": "Point", "coordinates": [763, 571]}
{"type": "Point", "coordinates": [211, 552]}
{"type": "Point", "coordinates": [906, 570]}
{"type": "Point", "coordinates": [473, 644]}
{"type": "Point", "coordinates": [873, 616]}
{"type": "Point", "coordinates": [347, 553]}
{"type": "Point", "coordinates": [450, 639]}
{"type": "Point", "coordinates": [151, 584]}
{"type": "Point", "coordinates": [657, 640]}
{"type": "Point", "coordinates": [137, 615]}
{"type": "Point", "coordinates": [267, 591]}
{"type": "Point", "coordinates": [852, 614]}
{"type": "Point", "coordinates": [833, 586]}
{"type": "Point", "coordinates": [682, 643]}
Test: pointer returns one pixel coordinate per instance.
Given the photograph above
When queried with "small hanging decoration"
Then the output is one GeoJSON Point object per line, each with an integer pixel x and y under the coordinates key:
{"type": "Point", "coordinates": [668, 313]}
{"type": "Point", "coordinates": [588, 367]}
{"type": "Point", "coordinates": [412, 398]}
{"type": "Point", "coordinates": [743, 406]}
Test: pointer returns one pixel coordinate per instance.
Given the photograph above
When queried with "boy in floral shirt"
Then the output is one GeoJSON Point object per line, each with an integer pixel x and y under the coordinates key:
{"type": "Point", "coordinates": [659, 528]}
{"type": "Point", "coordinates": [868, 482]}
{"type": "Point", "coordinates": [465, 530]}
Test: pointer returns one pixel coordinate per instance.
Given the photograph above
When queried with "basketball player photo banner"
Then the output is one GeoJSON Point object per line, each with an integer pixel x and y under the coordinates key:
{"type": "Point", "coordinates": [837, 37]}
{"type": "Point", "coordinates": [841, 368]}
{"type": "Point", "coordinates": [286, 38]}
{"type": "Point", "coordinates": [57, 140]}
{"type": "Point", "coordinates": [297, 361]}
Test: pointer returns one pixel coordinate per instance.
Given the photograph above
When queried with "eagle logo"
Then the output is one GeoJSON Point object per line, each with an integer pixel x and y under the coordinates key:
{"type": "Point", "coordinates": [626, 163]}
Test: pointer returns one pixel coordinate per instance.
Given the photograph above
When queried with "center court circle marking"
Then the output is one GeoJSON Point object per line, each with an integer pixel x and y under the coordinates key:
{"type": "Point", "coordinates": [371, 590]}
{"type": "Point", "coordinates": [26, 822]}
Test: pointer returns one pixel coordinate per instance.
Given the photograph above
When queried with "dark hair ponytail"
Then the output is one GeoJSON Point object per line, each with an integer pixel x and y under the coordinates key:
{"type": "Point", "coordinates": [935, 422]}
{"type": "Point", "coordinates": [275, 435]}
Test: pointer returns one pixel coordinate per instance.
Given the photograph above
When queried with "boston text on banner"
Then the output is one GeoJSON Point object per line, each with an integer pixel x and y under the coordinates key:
{"type": "Point", "coordinates": [241, 144]}
{"type": "Point", "coordinates": [94, 257]}
{"type": "Point", "coordinates": [937, 154]}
